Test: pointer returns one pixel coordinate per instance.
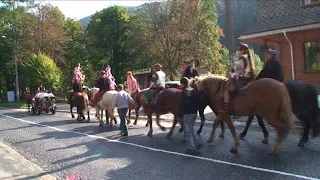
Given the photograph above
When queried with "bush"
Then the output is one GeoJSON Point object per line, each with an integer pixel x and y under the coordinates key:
{"type": "Point", "coordinates": [40, 69]}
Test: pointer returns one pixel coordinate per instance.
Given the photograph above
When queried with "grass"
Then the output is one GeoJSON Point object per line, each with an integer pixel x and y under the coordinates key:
{"type": "Point", "coordinates": [15, 104]}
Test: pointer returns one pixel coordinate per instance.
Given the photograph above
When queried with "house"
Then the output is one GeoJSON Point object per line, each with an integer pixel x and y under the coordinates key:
{"type": "Point", "coordinates": [293, 28]}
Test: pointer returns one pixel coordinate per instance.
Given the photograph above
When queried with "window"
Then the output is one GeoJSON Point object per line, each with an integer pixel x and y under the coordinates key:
{"type": "Point", "coordinates": [312, 56]}
{"type": "Point", "coordinates": [310, 2]}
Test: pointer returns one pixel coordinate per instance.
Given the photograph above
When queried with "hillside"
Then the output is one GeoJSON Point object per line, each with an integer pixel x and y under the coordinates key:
{"type": "Point", "coordinates": [243, 14]}
{"type": "Point", "coordinates": [86, 20]}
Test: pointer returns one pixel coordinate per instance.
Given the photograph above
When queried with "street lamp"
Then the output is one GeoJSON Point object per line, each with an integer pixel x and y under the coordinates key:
{"type": "Point", "coordinates": [15, 58]}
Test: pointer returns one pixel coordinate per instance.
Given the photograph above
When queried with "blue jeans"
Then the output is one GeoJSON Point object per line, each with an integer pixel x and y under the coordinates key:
{"type": "Point", "coordinates": [188, 123]}
{"type": "Point", "coordinates": [123, 126]}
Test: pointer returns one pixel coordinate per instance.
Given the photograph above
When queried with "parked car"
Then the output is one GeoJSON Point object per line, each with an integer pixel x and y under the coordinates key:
{"type": "Point", "coordinates": [173, 84]}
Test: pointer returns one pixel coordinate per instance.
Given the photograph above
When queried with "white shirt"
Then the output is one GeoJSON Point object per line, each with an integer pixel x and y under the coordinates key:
{"type": "Point", "coordinates": [122, 100]}
{"type": "Point", "coordinates": [161, 79]}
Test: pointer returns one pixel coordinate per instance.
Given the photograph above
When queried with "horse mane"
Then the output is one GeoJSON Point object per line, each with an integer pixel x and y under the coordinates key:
{"type": "Point", "coordinates": [209, 82]}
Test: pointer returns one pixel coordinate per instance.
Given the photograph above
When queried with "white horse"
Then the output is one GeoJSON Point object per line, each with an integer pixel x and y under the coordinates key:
{"type": "Point", "coordinates": [104, 104]}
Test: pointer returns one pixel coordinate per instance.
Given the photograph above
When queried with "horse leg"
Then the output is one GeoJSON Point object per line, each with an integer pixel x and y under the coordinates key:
{"type": "Point", "coordinates": [88, 114]}
{"type": "Point", "coordinates": [150, 124]}
{"type": "Point", "coordinates": [129, 116]}
{"type": "Point", "coordinates": [99, 116]}
{"type": "Point", "coordinates": [159, 125]}
{"type": "Point", "coordinates": [244, 132]}
{"type": "Point", "coordinates": [175, 121]}
{"type": "Point", "coordinates": [282, 131]}
{"type": "Point", "coordinates": [222, 129]}
{"type": "Point", "coordinates": [264, 130]}
{"type": "Point", "coordinates": [305, 135]}
{"type": "Point", "coordinates": [137, 114]}
{"type": "Point", "coordinates": [28, 108]}
{"type": "Point", "coordinates": [235, 137]}
{"type": "Point", "coordinates": [107, 116]}
{"type": "Point", "coordinates": [203, 119]}
{"type": "Point", "coordinates": [71, 107]}
{"type": "Point", "coordinates": [214, 126]}
{"type": "Point", "coordinates": [114, 119]}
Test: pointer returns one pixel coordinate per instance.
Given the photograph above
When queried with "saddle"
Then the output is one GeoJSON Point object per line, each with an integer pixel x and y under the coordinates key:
{"type": "Point", "coordinates": [238, 85]}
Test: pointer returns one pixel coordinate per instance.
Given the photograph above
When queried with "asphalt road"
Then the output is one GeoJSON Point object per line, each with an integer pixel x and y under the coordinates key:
{"type": "Point", "coordinates": [65, 148]}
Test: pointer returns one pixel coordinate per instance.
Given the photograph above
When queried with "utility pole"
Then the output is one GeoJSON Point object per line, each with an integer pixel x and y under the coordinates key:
{"type": "Point", "coordinates": [229, 31]}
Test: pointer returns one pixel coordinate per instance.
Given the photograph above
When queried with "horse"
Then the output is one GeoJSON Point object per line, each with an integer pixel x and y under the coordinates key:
{"type": "Point", "coordinates": [81, 101]}
{"type": "Point", "coordinates": [104, 104]}
{"type": "Point", "coordinates": [30, 100]}
{"type": "Point", "coordinates": [203, 103]}
{"type": "Point", "coordinates": [265, 97]}
{"type": "Point", "coordinates": [304, 102]}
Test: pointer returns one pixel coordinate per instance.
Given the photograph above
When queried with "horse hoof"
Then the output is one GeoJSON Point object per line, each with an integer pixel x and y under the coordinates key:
{"type": "Point", "coordinates": [184, 141]}
{"type": "Point", "coordinates": [169, 134]}
{"type": "Point", "coordinates": [180, 130]}
{"type": "Point", "coordinates": [72, 116]}
{"type": "Point", "coordinates": [199, 132]}
{"type": "Point", "coordinates": [233, 150]}
{"type": "Point", "coordinates": [147, 125]}
{"type": "Point", "coordinates": [149, 134]}
{"type": "Point", "coordinates": [242, 135]}
{"type": "Point", "coordinates": [128, 122]}
{"type": "Point", "coordinates": [264, 141]}
{"type": "Point", "coordinates": [221, 136]}
{"type": "Point", "coordinates": [209, 141]}
{"type": "Point", "coordinates": [162, 128]}
{"type": "Point", "coordinates": [135, 123]}
{"type": "Point", "coordinates": [100, 124]}
{"type": "Point", "coordinates": [301, 143]}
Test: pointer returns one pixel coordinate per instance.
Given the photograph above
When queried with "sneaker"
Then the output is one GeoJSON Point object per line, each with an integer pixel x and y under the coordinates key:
{"type": "Point", "coordinates": [193, 152]}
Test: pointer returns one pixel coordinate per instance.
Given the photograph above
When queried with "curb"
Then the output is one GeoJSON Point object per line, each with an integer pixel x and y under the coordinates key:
{"type": "Point", "coordinates": [33, 170]}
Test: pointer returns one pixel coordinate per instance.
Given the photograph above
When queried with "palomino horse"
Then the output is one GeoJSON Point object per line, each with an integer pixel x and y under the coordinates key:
{"type": "Point", "coordinates": [104, 104]}
{"type": "Point", "coordinates": [266, 97]}
{"type": "Point", "coordinates": [304, 105]}
{"type": "Point", "coordinates": [81, 101]}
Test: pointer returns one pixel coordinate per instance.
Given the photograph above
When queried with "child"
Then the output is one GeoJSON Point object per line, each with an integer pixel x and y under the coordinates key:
{"type": "Point", "coordinates": [121, 101]}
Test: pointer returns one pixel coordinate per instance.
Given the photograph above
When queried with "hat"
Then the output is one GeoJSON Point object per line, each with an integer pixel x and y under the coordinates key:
{"type": "Point", "coordinates": [158, 65]}
{"type": "Point", "coordinates": [272, 51]}
{"type": "Point", "coordinates": [243, 46]}
{"type": "Point", "coordinates": [188, 61]}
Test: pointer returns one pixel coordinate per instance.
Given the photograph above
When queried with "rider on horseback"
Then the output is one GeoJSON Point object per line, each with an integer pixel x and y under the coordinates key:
{"type": "Point", "coordinates": [243, 72]}
{"type": "Point", "coordinates": [131, 83]}
{"type": "Point", "coordinates": [77, 80]}
{"type": "Point", "coordinates": [158, 82]}
{"type": "Point", "coordinates": [103, 83]}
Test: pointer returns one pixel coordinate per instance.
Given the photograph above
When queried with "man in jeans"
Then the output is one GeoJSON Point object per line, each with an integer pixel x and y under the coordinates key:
{"type": "Point", "coordinates": [188, 110]}
{"type": "Point", "coordinates": [121, 101]}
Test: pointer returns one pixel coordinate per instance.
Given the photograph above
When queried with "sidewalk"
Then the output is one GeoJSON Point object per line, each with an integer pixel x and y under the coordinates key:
{"type": "Point", "coordinates": [15, 166]}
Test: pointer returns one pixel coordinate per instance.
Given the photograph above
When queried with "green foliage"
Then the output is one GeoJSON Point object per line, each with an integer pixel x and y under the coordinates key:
{"type": "Point", "coordinates": [225, 60]}
{"type": "Point", "coordinates": [107, 37]}
{"type": "Point", "coordinates": [40, 69]}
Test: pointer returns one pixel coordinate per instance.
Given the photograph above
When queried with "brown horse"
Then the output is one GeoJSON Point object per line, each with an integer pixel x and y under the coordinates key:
{"type": "Point", "coordinates": [29, 101]}
{"type": "Point", "coordinates": [266, 97]}
{"type": "Point", "coordinates": [168, 102]}
{"type": "Point", "coordinates": [81, 101]}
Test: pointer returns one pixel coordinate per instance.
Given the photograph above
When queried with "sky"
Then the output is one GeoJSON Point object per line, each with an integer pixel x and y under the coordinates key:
{"type": "Point", "coordinates": [80, 9]}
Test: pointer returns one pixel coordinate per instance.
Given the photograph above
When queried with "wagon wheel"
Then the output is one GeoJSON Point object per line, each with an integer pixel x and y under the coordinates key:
{"type": "Point", "coordinates": [53, 110]}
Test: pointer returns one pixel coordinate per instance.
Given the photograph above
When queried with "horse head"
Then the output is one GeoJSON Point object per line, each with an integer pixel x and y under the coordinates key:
{"type": "Point", "coordinates": [208, 83]}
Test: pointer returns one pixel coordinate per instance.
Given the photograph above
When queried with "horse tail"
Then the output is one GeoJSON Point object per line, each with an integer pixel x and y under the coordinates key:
{"type": "Point", "coordinates": [286, 109]}
{"type": "Point", "coordinates": [312, 99]}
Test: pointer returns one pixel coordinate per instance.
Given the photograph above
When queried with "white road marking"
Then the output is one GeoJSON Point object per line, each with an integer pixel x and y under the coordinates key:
{"type": "Point", "coordinates": [168, 152]}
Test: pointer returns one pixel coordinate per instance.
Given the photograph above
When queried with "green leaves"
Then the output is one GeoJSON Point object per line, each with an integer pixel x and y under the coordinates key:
{"type": "Point", "coordinates": [40, 69]}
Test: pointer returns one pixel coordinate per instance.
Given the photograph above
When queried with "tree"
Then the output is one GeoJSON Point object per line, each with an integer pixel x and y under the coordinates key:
{"type": "Point", "coordinates": [179, 29]}
{"type": "Point", "coordinates": [108, 34]}
{"type": "Point", "coordinates": [40, 69]}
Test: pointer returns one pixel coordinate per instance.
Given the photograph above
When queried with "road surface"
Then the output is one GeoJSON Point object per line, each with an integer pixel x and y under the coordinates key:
{"type": "Point", "coordinates": [64, 148]}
